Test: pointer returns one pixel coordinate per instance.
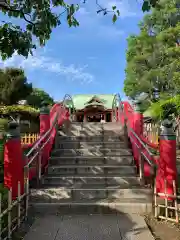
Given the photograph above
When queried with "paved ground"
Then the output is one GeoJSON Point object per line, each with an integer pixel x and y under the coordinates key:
{"type": "Point", "coordinates": [89, 227]}
{"type": "Point", "coordinates": [163, 230]}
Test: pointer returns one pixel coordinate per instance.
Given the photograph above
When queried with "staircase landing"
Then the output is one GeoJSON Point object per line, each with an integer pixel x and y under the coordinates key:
{"type": "Point", "coordinates": [89, 227]}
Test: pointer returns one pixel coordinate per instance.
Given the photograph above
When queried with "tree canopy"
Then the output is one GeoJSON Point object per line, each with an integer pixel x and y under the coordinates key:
{"type": "Point", "coordinates": [13, 85]}
{"type": "Point", "coordinates": [39, 19]}
{"type": "Point", "coordinates": [37, 97]}
{"type": "Point", "coordinates": [153, 65]}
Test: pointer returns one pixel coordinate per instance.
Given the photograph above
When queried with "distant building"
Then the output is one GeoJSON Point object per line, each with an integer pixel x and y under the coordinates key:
{"type": "Point", "coordinates": [93, 108]}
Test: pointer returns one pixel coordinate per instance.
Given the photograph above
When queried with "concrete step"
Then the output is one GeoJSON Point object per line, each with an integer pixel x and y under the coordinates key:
{"type": "Point", "coordinates": [66, 144]}
{"type": "Point", "coordinates": [116, 181]}
{"type": "Point", "coordinates": [81, 138]}
{"type": "Point", "coordinates": [92, 169]}
{"type": "Point", "coordinates": [92, 132]}
{"type": "Point", "coordinates": [105, 144]}
{"type": "Point", "coordinates": [96, 152]}
{"type": "Point", "coordinates": [131, 206]}
{"type": "Point", "coordinates": [87, 138]}
{"type": "Point", "coordinates": [61, 194]}
{"type": "Point", "coordinates": [115, 160]}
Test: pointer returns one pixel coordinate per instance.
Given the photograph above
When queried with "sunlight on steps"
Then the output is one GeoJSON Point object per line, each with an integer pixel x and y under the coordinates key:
{"type": "Point", "coordinates": [91, 165]}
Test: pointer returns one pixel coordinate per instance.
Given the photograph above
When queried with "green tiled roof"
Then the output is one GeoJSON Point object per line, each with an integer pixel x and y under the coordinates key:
{"type": "Point", "coordinates": [81, 100]}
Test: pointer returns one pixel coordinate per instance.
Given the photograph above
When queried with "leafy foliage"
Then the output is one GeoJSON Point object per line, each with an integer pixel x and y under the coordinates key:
{"type": "Point", "coordinates": [153, 65]}
{"type": "Point", "coordinates": [20, 109]}
{"type": "Point", "coordinates": [3, 124]}
{"type": "Point", "coordinates": [39, 19]}
{"type": "Point", "coordinates": [13, 85]}
{"type": "Point", "coordinates": [37, 97]}
{"type": "Point", "coordinates": [164, 108]}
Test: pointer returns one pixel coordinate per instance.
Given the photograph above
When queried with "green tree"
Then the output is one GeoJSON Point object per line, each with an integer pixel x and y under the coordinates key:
{"type": "Point", "coordinates": [37, 97]}
{"type": "Point", "coordinates": [39, 19]}
{"type": "Point", "coordinates": [13, 86]}
{"type": "Point", "coordinates": [153, 65]}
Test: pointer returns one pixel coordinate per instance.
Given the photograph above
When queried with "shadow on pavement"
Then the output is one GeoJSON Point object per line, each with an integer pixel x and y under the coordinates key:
{"type": "Point", "coordinates": [57, 224]}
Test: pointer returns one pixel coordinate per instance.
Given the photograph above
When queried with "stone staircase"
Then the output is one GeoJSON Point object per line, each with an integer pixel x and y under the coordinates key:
{"type": "Point", "coordinates": [91, 170]}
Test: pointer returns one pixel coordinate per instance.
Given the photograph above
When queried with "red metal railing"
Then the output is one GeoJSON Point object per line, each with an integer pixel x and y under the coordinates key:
{"type": "Point", "coordinates": [142, 149]}
{"type": "Point", "coordinates": [38, 156]}
{"type": "Point", "coordinates": [155, 161]}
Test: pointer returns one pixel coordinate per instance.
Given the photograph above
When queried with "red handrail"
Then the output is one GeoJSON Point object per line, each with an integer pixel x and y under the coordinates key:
{"type": "Point", "coordinates": [140, 145]}
{"type": "Point", "coordinates": [43, 146]}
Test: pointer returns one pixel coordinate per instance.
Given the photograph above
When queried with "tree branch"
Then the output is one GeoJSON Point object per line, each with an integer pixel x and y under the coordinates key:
{"type": "Point", "coordinates": [7, 7]}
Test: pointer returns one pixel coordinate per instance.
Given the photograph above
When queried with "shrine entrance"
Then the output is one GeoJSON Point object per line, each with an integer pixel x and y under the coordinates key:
{"type": "Point", "coordinates": [94, 111]}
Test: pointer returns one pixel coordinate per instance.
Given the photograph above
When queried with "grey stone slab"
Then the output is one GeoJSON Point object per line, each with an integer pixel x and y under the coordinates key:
{"type": "Point", "coordinates": [133, 227]}
{"type": "Point", "coordinates": [44, 228]}
{"type": "Point", "coordinates": [89, 227]}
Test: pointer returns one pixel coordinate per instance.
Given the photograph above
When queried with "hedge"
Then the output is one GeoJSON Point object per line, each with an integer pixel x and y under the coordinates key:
{"type": "Point", "coordinates": [21, 109]}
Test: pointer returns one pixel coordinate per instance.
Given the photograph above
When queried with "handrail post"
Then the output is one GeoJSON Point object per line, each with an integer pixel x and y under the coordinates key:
{"type": "Point", "coordinates": [39, 167]}
{"type": "Point", "coordinates": [167, 169]}
{"type": "Point", "coordinates": [44, 127]}
{"type": "Point", "coordinates": [126, 138]}
{"type": "Point", "coordinates": [138, 128]}
{"type": "Point", "coordinates": [141, 167]}
{"type": "Point", "coordinates": [56, 137]}
{"type": "Point", "coordinates": [138, 119]}
{"type": "Point", "coordinates": [44, 118]}
{"type": "Point", "coordinates": [13, 160]}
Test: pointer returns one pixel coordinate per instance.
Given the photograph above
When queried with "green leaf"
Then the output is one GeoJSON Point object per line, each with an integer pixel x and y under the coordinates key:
{"type": "Point", "coordinates": [114, 18]}
{"type": "Point", "coordinates": [21, 40]}
{"type": "Point", "coordinates": [146, 6]}
{"type": "Point", "coordinates": [29, 27]}
{"type": "Point", "coordinates": [152, 55]}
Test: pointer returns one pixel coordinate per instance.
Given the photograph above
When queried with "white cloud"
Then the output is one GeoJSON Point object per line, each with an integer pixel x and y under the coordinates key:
{"type": "Point", "coordinates": [97, 24]}
{"type": "Point", "coordinates": [48, 64]}
{"type": "Point", "coordinates": [95, 27]}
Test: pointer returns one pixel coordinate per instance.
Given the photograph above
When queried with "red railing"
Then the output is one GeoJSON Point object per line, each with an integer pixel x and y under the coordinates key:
{"type": "Point", "coordinates": [38, 156]}
{"type": "Point", "coordinates": [155, 161]}
{"type": "Point", "coordinates": [20, 167]}
{"type": "Point", "coordinates": [141, 147]}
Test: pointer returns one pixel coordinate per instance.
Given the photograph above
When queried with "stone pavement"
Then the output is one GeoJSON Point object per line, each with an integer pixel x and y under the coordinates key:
{"type": "Point", "coordinates": [89, 227]}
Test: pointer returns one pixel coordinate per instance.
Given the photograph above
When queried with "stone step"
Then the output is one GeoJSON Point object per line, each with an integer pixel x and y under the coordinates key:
{"type": "Point", "coordinates": [92, 152]}
{"type": "Point", "coordinates": [85, 144]}
{"type": "Point", "coordinates": [116, 181]}
{"type": "Point", "coordinates": [87, 138]}
{"type": "Point", "coordinates": [61, 194]}
{"type": "Point", "coordinates": [91, 169]}
{"type": "Point", "coordinates": [105, 144]}
{"type": "Point", "coordinates": [80, 138]}
{"type": "Point", "coordinates": [68, 160]}
{"type": "Point", "coordinates": [127, 206]}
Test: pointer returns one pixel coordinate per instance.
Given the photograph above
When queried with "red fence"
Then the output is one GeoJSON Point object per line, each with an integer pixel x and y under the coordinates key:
{"type": "Point", "coordinates": [20, 167]}
{"type": "Point", "coordinates": [154, 160]}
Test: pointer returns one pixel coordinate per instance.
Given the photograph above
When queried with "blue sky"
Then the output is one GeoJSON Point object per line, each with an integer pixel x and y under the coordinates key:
{"type": "Point", "coordinates": [88, 59]}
